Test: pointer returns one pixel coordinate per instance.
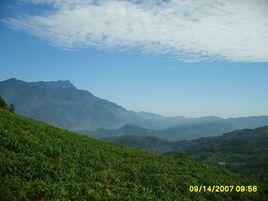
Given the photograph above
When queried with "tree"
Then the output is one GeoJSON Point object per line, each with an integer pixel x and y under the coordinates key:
{"type": "Point", "coordinates": [2, 103]}
{"type": "Point", "coordinates": [12, 108]}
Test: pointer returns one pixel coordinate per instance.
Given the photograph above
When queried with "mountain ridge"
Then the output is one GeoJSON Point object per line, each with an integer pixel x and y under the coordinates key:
{"type": "Point", "coordinates": [184, 132]}
{"type": "Point", "coordinates": [61, 104]}
{"type": "Point", "coordinates": [47, 101]}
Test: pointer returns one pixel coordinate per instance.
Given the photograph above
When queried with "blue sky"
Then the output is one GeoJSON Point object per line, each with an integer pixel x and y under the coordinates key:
{"type": "Point", "coordinates": [125, 62]}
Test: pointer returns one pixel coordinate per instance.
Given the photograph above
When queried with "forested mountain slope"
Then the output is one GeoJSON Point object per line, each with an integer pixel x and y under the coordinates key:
{"type": "Point", "coordinates": [244, 151]}
{"type": "Point", "coordinates": [59, 165]}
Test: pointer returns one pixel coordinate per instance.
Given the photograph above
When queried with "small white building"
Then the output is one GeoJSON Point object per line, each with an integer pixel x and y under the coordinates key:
{"type": "Point", "coordinates": [221, 163]}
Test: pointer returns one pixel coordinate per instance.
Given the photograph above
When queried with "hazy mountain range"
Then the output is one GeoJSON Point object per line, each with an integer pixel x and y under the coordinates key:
{"type": "Point", "coordinates": [243, 151]}
{"type": "Point", "coordinates": [183, 132]}
{"type": "Point", "coordinates": [60, 103]}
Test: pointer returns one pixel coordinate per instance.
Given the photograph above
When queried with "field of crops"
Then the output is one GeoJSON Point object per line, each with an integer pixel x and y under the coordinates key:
{"type": "Point", "coordinates": [37, 159]}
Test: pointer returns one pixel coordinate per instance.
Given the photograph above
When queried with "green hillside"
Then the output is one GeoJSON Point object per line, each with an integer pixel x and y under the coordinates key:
{"type": "Point", "coordinates": [60, 165]}
{"type": "Point", "coordinates": [242, 151]}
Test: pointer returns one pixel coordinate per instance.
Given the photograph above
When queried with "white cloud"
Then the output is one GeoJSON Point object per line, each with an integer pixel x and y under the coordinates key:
{"type": "Point", "coordinates": [235, 30]}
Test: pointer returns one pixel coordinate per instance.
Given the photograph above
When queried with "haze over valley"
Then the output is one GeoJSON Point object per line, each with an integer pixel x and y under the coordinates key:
{"type": "Point", "coordinates": [61, 104]}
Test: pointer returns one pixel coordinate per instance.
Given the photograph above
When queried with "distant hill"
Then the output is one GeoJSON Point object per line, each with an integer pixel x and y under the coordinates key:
{"type": "Point", "coordinates": [185, 132]}
{"type": "Point", "coordinates": [189, 132]}
{"type": "Point", "coordinates": [147, 143]}
{"type": "Point", "coordinates": [37, 159]}
{"type": "Point", "coordinates": [124, 130]}
{"type": "Point", "coordinates": [61, 104]}
{"type": "Point", "coordinates": [167, 122]}
{"type": "Point", "coordinates": [243, 151]}
{"type": "Point", "coordinates": [248, 122]}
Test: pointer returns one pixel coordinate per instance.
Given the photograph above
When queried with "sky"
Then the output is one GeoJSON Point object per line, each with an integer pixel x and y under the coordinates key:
{"type": "Point", "coordinates": [184, 57]}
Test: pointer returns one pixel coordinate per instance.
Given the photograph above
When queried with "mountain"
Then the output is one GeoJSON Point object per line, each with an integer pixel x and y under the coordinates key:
{"type": "Point", "coordinates": [150, 116]}
{"type": "Point", "coordinates": [248, 122]}
{"type": "Point", "coordinates": [147, 143]}
{"type": "Point", "coordinates": [60, 103]}
{"type": "Point", "coordinates": [185, 132]}
{"type": "Point", "coordinates": [37, 160]}
{"type": "Point", "coordinates": [166, 122]}
{"type": "Point", "coordinates": [124, 130]}
{"type": "Point", "coordinates": [161, 122]}
{"type": "Point", "coordinates": [188, 132]}
{"type": "Point", "coordinates": [242, 151]}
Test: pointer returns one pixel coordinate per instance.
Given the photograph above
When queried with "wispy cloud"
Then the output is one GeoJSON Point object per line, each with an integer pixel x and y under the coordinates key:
{"type": "Point", "coordinates": [189, 30]}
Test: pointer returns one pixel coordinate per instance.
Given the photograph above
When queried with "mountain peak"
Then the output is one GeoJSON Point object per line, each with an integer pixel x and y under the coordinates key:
{"type": "Point", "coordinates": [62, 84]}
{"type": "Point", "coordinates": [11, 80]}
{"type": "Point", "coordinates": [48, 84]}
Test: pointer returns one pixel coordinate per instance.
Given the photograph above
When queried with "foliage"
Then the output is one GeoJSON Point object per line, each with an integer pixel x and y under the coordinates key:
{"type": "Point", "coordinates": [2, 103]}
{"type": "Point", "coordinates": [242, 151]}
{"type": "Point", "coordinates": [147, 143]}
{"type": "Point", "coordinates": [37, 159]}
{"type": "Point", "coordinates": [12, 108]}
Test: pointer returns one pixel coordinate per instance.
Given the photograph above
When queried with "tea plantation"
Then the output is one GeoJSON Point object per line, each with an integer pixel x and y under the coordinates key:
{"type": "Point", "coordinates": [37, 159]}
